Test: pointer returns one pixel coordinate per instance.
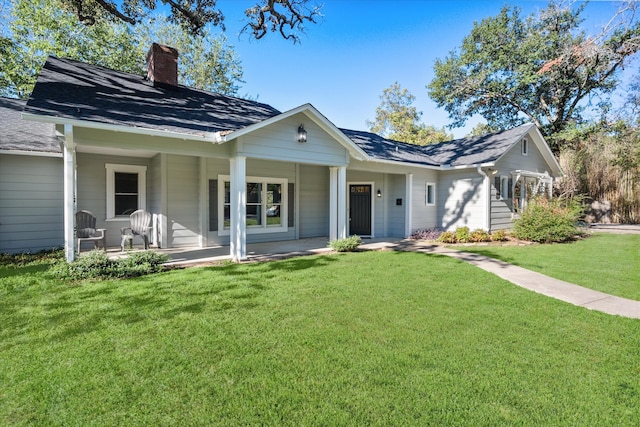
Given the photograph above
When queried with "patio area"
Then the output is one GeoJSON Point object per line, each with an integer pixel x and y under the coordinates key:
{"type": "Point", "coordinates": [191, 256]}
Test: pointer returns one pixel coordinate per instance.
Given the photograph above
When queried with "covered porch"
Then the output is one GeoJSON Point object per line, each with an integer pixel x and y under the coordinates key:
{"type": "Point", "coordinates": [255, 252]}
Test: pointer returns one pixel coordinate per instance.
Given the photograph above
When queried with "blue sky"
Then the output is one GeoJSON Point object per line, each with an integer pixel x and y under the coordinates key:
{"type": "Point", "coordinates": [360, 48]}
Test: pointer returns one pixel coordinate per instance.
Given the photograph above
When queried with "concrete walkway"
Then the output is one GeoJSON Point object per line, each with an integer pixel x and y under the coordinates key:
{"type": "Point", "coordinates": [545, 285]}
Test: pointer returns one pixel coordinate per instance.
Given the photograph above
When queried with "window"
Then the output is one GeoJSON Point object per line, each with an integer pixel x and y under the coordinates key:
{"type": "Point", "coordinates": [430, 196]}
{"type": "Point", "coordinates": [126, 189]}
{"type": "Point", "coordinates": [504, 187]}
{"type": "Point", "coordinates": [266, 209]}
{"type": "Point", "coordinates": [525, 147]}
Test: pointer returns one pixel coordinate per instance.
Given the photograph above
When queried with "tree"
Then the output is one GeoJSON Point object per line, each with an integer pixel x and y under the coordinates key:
{"type": "Point", "coordinates": [284, 16]}
{"type": "Point", "coordinates": [40, 29]}
{"type": "Point", "coordinates": [397, 119]}
{"type": "Point", "coordinates": [542, 69]}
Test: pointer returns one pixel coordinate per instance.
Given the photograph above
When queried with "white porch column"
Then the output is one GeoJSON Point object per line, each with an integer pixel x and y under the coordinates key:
{"type": "Point", "coordinates": [333, 203]}
{"type": "Point", "coordinates": [408, 218]}
{"type": "Point", "coordinates": [342, 202]}
{"type": "Point", "coordinates": [238, 231]}
{"type": "Point", "coordinates": [69, 168]}
{"type": "Point", "coordinates": [203, 239]}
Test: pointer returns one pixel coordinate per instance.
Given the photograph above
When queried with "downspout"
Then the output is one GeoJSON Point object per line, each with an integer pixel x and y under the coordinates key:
{"type": "Point", "coordinates": [487, 192]}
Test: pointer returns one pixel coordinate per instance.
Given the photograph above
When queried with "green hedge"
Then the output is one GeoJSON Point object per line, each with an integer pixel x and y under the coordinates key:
{"type": "Point", "coordinates": [548, 221]}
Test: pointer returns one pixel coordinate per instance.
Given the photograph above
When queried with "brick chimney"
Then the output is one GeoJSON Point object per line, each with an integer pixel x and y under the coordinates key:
{"type": "Point", "coordinates": [162, 65]}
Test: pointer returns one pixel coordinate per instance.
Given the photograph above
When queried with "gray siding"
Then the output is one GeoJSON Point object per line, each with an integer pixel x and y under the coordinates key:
{"type": "Point", "coordinates": [183, 195]}
{"type": "Point", "coordinates": [460, 200]}
{"type": "Point", "coordinates": [314, 201]}
{"type": "Point", "coordinates": [395, 190]}
{"type": "Point", "coordinates": [31, 203]}
{"type": "Point", "coordinates": [422, 215]}
{"type": "Point", "coordinates": [278, 142]}
{"type": "Point", "coordinates": [92, 190]}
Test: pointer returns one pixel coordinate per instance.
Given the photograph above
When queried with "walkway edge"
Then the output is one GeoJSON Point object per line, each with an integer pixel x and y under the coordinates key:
{"type": "Point", "coordinates": [536, 282]}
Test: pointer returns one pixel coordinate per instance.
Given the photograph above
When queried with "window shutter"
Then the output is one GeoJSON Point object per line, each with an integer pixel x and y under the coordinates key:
{"type": "Point", "coordinates": [213, 205]}
{"type": "Point", "coordinates": [291, 207]}
{"type": "Point", "coordinates": [510, 191]}
{"type": "Point", "coordinates": [496, 183]}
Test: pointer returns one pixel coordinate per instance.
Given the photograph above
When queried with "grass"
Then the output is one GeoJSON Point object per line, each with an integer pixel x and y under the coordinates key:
{"type": "Point", "coordinates": [370, 338]}
{"type": "Point", "coordinates": [605, 262]}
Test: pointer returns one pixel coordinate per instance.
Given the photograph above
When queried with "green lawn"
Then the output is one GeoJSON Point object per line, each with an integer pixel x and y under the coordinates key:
{"type": "Point", "coordinates": [372, 338]}
{"type": "Point", "coordinates": [605, 262]}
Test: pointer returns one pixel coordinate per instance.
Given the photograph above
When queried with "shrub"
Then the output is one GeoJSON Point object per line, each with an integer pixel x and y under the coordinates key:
{"type": "Point", "coordinates": [499, 236]}
{"type": "Point", "coordinates": [348, 244]}
{"type": "Point", "coordinates": [447, 237]}
{"type": "Point", "coordinates": [426, 234]}
{"type": "Point", "coordinates": [462, 235]}
{"type": "Point", "coordinates": [547, 221]}
{"type": "Point", "coordinates": [97, 265]}
{"type": "Point", "coordinates": [479, 235]}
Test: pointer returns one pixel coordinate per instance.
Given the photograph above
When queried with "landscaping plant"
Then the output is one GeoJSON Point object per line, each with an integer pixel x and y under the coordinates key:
{"type": "Point", "coordinates": [549, 221]}
{"type": "Point", "coordinates": [348, 244]}
{"type": "Point", "coordinates": [97, 265]}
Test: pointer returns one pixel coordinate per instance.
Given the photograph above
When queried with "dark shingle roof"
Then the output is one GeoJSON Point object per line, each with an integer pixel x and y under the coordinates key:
{"type": "Point", "coordinates": [459, 152]}
{"type": "Point", "coordinates": [477, 149]}
{"type": "Point", "coordinates": [386, 149]}
{"type": "Point", "coordinates": [75, 90]}
{"type": "Point", "coordinates": [21, 135]}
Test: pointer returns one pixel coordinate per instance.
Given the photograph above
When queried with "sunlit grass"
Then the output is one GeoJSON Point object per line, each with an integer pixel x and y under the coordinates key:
{"type": "Point", "coordinates": [374, 338]}
{"type": "Point", "coordinates": [605, 262]}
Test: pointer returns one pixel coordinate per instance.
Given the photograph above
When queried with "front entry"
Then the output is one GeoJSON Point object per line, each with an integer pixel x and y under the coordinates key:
{"type": "Point", "coordinates": [360, 209]}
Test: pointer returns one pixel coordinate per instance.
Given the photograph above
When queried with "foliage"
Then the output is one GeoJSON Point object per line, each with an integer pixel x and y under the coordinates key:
{"type": "Point", "coordinates": [499, 236]}
{"type": "Point", "coordinates": [447, 237]}
{"type": "Point", "coordinates": [605, 262]}
{"type": "Point", "coordinates": [603, 163]}
{"type": "Point", "coordinates": [369, 338]}
{"type": "Point", "coordinates": [286, 17]}
{"type": "Point", "coordinates": [97, 265]}
{"type": "Point", "coordinates": [397, 119]}
{"type": "Point", "coordinates": [543, 68]}
{"type": "Point", "coordinates": [348, 244]}
{"type": "Point", "coordinates": [548, 221]}
{"type": "Point", "coordinates": [37, 30]}
{"type": "Point", "coordinates": [426, 234]}
{"type": "Point", "coordinates": [482, 129]}
{"type": "Point", "coordinates": [22, 259]}
{"type": "Point", "coordinates": [479, 235]}
{"type": "Point", "coordinates": [462, 235]}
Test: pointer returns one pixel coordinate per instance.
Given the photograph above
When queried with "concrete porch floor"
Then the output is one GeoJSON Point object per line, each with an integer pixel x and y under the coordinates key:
{"type": "Point", "coordinates": [255, 251]}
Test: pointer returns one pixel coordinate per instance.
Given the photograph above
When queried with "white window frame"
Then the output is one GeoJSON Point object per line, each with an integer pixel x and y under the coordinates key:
{"type": "Point", "coordinates": [265, 227]}
{"type": "Point", "coordinates": [525, 147]}
{"type": "Point", "coordinates": [111, 185]}
{"type": "Point", "coordinates": [504, 187]}
{"type": "Point", "coordinates": [426, 194]}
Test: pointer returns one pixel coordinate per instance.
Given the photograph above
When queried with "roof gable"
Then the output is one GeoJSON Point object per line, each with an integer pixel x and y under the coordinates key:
{"type": "Point", "coordinates": [19, 135]}
{"type": "Point", "coordinates": [75, 90]}
{"type": "Point", "coordinates": [477, 150]}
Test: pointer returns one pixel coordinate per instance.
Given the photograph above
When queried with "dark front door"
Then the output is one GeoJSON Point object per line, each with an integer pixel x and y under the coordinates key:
{"type": "Point", "coordinates": [360, 209]}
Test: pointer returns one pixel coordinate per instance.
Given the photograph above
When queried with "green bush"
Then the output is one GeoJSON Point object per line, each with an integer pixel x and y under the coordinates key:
{"type": "Point", "coordinates": [479, 235]}
{"type": "Point", "coordinates": [548, 221]}
{"type": "Point", "coordinates": [447, 237]}
{"type": "Point", "coordinates": [499, 236]}
{"type": "Point", "coordinates": [348, 244]}
{"type": "Point", "coordinates": [462, 235]}
{"type": "Point", "coordinates": [97, 265]}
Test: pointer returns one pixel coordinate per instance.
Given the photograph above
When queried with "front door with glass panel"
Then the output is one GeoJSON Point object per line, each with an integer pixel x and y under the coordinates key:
{"type": "Point", "coordinates": [360, 209]}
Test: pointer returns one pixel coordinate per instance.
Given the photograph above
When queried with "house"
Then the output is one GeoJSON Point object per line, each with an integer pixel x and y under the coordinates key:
{"type": "Point", "coordinates": [31, 208]}
{"type": "Point", "coordinates": [218, 170]}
